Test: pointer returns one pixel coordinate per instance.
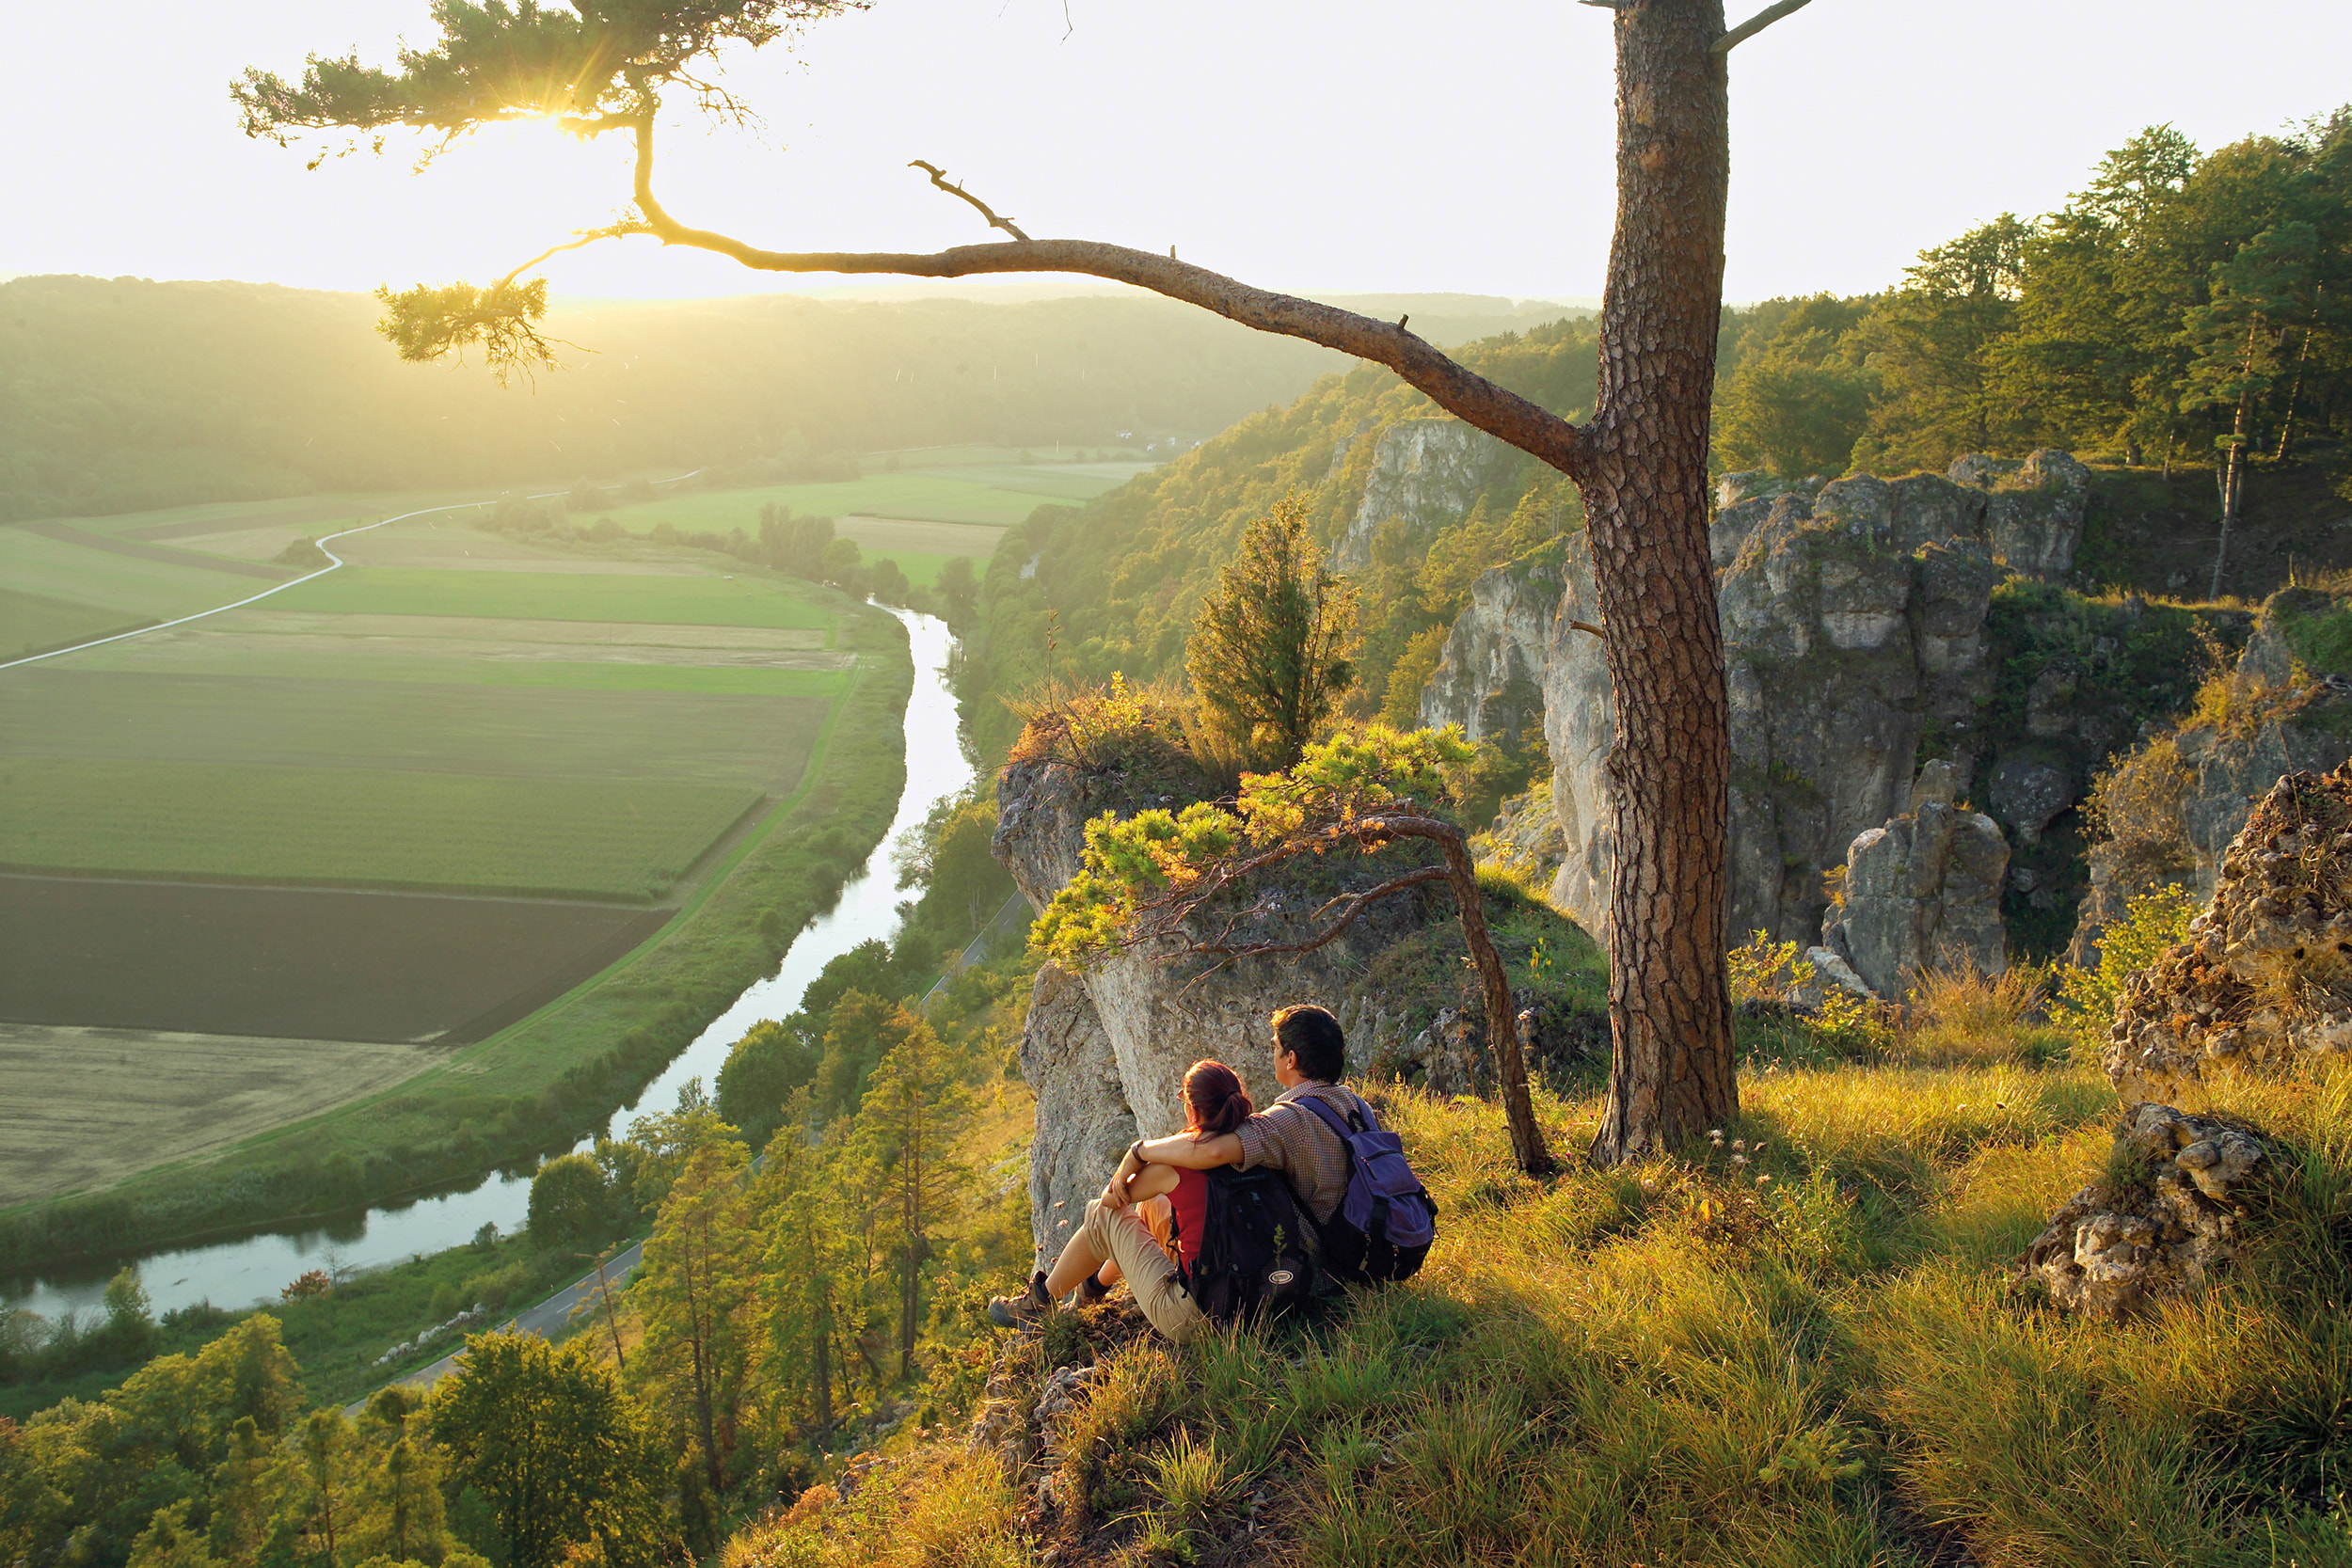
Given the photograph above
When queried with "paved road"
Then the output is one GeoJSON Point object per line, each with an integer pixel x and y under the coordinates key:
{"type": "Point", "coordinates": [544, 1319]}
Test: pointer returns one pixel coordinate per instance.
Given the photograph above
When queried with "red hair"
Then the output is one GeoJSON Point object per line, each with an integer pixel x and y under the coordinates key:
{"type": "Point", "coordinates": [1215, 1102]}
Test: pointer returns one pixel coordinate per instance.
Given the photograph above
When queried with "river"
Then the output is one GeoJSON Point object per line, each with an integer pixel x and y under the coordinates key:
{"type": "Point", "coordinates": [253, 1270]}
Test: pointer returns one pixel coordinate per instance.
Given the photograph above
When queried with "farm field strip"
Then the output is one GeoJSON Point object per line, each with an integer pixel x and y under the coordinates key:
{"type": "Point", "coordinates": [882, 536]}
{"type": "Point", "coordinates": [85, 1107]}
{"type": "Point", "coordinates": [913, 497]}
{"type": "Point", "coordinates": [131, 587]}
{"type": "Point", "coordinates": [29, 621]}
{"type": "Point", "coordinates": [351, 828]}
{"type": "Point", "coordinates": [465, 662]}
{"type": "Point", "coordinates": [560, 597]}
{"type": "Point", "coordinates": [649, 634]}
{"type": "Point", "coordinates": [398, 729]}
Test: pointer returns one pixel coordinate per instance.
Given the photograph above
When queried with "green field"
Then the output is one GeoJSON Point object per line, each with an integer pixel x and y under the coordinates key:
{"type": "Point", "coordinates": [743, 601]}
{"type": "Point", "coordinates": [29, 622]}
{"type": "Point", "coordinates": [563, 719]}
{"type": "Point", "coordinates": [592, 837]}
{"type": "Point", "coordinates": [115, 590]}
{"type": "Point", "coordinates": [243, 657]}
{"type": "Point", "coordinates": [526, 731]}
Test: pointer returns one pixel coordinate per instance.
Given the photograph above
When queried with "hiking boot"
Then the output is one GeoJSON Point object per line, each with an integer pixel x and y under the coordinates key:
{"type": "Point", "coordinates": [1091, 1292]}
{"type": "Point", "coordinates": [1027, 1308]}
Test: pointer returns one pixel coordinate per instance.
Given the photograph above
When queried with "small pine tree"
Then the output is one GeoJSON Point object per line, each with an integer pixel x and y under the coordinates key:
{"type": "Point", "coordinates": [1266, 654]}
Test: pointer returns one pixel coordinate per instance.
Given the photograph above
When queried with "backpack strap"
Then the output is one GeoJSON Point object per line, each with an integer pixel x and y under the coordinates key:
{"type": "Point", "coordinates": [1343, 1126]}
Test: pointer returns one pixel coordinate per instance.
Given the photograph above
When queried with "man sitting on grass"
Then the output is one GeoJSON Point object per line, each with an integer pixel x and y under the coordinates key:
{"type": "Point", "coordinates": [1309, 1055]}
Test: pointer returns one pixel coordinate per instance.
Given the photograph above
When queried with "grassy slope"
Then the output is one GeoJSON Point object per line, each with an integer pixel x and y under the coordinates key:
{"type": "Point", "coordinates": [1797, 1353]}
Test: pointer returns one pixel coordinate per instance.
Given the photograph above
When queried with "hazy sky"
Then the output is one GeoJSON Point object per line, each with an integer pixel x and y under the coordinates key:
{"type": "Point", "coordinates": [1371, 146]}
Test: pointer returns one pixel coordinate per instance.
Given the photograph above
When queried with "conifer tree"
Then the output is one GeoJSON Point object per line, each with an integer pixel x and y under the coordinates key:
{"type": "Point", "coordinates": [1268, 651]}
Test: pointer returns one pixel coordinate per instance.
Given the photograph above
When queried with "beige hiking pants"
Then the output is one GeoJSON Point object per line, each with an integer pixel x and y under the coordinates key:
{"type": "Point", "coordinates": [1119, 1236]}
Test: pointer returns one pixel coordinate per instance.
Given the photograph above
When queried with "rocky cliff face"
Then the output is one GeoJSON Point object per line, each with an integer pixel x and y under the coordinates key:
{"type": "Point", "coordinates": [1853, 617]}
{"type": "Point", "coordinates": [1491, 678]}
{"type": "Point", "coordinates": [1424, 473]}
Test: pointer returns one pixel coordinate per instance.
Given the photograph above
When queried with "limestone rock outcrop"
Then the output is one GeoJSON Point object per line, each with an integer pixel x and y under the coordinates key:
{"type": "Point", "coordinates": [2217, 771]}
{"type": "Point", "coordinates": [2113, 1250]}
{"type": "Point", "coordinates": [1923, 892]}
{"type": "Point", "coordinates": [1130, 1026]}
{"type": "Point", "coordinates": [1491, 678]}
{"type": "Point", "coordinates": [1853, 618]}
{"type": "Point", "coordinates": [1426, 473]}
{"type": "Point", "coordinates": [2259, 983]}
{"type": "Point", "coordinates": [1083, 1120]}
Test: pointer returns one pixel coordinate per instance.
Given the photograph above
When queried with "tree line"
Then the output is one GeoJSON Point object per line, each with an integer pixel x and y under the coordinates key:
{"type": "Point", "coordinates": [2184, 307]}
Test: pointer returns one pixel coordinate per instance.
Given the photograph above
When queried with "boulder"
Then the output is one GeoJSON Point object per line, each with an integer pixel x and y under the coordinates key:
{"type": "Point", "coordinates": [2260, 983]}
{"type": "Point", "coordinates": [1426, 473]}
{"type": "Point", "coordinates": [1923, 892]}
{"type": "Point", "coordinates": [1121, 1035]}
{"type": "Point", "coordinates": [2028, 793]}
{"type": "Point", "coordinates": [2114, 1249]}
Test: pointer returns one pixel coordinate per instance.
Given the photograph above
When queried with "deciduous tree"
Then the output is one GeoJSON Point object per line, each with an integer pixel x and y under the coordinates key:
{"type": "Point", "coordinates": [1641, 460]}
{"type": "Point", "coordinates": [561, 1454]}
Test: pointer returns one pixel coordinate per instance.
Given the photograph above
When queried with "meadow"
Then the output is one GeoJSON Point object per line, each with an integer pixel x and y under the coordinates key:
{"type": "Point", "coordinates": [741, 600]}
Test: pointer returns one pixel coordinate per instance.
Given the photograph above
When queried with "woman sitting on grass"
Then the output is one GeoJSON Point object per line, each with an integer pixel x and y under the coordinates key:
{"type": "Point", "coordinates": [1127, 1236]}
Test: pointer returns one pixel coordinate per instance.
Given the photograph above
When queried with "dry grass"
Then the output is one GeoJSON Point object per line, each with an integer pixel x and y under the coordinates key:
{"type": "Point", "coordinates": [1790, 1346]}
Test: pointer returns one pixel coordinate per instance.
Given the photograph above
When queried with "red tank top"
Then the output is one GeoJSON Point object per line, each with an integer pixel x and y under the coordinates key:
{"type": "Point", "coordinates": [1189, 1203]}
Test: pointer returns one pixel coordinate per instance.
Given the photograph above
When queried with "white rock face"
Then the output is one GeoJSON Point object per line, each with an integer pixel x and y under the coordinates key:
{"type": "Point", "coordinates": [1083, 1122]}
{"type": "Point", "coordinates": [1852, 616]}
{"type": "Point", "coordinates": [1491, 679]}
{"type": "Point", "coordinates": [1426, 473]}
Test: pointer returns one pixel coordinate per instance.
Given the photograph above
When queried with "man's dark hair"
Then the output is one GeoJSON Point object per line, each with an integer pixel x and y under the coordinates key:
{"type": "Point", "coordinates": [1314, 1036]}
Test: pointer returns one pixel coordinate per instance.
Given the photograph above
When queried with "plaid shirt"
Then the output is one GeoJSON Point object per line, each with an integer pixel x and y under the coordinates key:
{"type": "Point", "coordinates": [1293, 1140]}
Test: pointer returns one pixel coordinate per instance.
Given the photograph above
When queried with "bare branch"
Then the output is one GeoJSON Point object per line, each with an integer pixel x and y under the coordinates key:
{"type": "Point", "coordinates": [939, 177]}
{"type": "Point", "coordinates": [610, 231]}
{"type": "Point", "coordinates": [1461, 392]}
{"type": "Point", "coordinates": [1756, 24]}
{"type": "Point", "coordinates": [1587, 625]}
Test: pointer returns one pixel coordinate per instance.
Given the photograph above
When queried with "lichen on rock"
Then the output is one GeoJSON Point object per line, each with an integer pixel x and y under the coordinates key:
{"type": "Point", "coordinates": [2265, 980]}
{"type": "Point", "coordinates": [2118, 1248]}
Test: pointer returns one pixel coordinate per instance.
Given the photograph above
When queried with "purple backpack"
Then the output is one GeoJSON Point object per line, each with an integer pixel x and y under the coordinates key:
{"type": "Point", "coordinates": [1382, 1228]}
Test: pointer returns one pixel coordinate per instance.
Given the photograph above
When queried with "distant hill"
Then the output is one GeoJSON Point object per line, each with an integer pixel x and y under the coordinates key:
{"type": "Point", "coordinates": [126, 394]}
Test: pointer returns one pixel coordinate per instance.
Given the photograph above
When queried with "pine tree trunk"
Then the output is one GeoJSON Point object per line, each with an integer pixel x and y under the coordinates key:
{"type": "Point", "coordinates": [1671, 1069]}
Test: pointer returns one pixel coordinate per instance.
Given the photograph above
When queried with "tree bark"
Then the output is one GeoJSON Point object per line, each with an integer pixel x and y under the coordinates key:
{"type": "Point", "coordinates": [1670, 1067]}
